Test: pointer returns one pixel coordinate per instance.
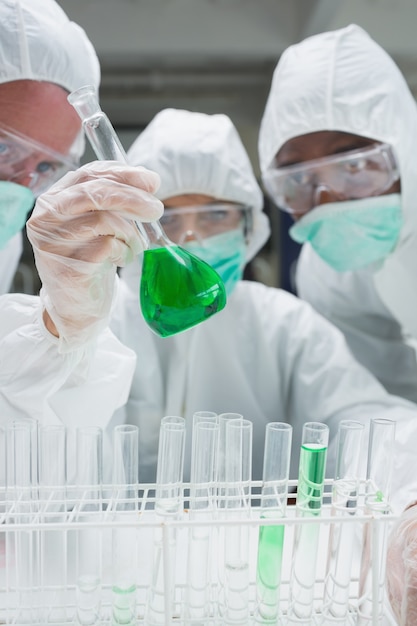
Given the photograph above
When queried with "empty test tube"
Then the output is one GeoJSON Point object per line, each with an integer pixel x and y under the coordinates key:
{"type": "Point", "coordinates": [223, 419]}
{"type": "Point", "coordinates": [374, 544]}
{"type": "Point", "coordinates": [205, 438]}
{"type": "Point", "coordinates": [277, 454]}
{"type": "Point", "coordinates": [89, 455]}
{"type": "Point", "coordinates": [124, 540]}
{"type": "Point", "coordinates": [168, 504]}
{"type": "Point", "coordinates": [21, 545]}
{"type": "Point", "coordinates": [54, 548]}
{"type": "Point", "coordinates": [380, 455]}
{"type": "Point", "coordinates": [342, 535]}
{"type": "Point", "coordinates": [238, 473]}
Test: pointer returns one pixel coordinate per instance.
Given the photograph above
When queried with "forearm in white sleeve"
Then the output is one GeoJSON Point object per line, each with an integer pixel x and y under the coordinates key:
{"type": "Point", "coordinates": [81, 387]}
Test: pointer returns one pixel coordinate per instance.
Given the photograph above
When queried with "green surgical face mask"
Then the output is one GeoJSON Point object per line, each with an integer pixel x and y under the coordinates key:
{"type": "Point", "coordinates": [15, 203]}
{"type": "Point", "coordinates": [352, 234]}
{"type": "Point", "coordinates": [225, 253]}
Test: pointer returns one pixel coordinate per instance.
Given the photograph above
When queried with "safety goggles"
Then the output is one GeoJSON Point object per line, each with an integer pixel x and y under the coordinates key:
{"type": "Point", "coordinates": [352, 175]}
{"type": "Point", "coordinates": [29, 163]}
{"type": "Point", "coordinates": [204, 221]}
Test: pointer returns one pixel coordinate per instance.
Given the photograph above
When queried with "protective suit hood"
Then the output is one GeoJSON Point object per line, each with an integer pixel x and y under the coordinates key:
{"type": "Point", "coordinates": [196, 153]}
{"type": "Point", "coordinates": [39, 42]}
{"type": "Point", "coordinates": [344, 81]}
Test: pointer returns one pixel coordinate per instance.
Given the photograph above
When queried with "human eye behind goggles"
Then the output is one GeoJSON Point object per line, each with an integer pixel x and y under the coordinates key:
{"type": "Point", "coordinates": [26, 162]}
{"type": "Point", "coordinates": [207, 220]}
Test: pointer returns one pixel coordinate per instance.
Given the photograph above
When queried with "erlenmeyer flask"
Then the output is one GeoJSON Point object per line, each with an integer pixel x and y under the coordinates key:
{"type": "Point", "coordinates": [178, 290]}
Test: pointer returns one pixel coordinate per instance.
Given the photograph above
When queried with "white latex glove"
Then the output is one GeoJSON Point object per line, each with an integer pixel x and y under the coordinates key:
{"type": "Point", "coordinates": [402, 568]}
{"type": "Point", "coordinates": [81, 230]}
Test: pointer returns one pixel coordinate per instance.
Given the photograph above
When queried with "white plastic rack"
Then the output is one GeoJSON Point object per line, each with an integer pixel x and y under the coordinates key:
{"type": "Point", "coordinates": [47, 537]}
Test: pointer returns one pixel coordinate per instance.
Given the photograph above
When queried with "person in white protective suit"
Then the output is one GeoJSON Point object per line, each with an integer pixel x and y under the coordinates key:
{"type": "Point", "coordinates": [266, 355]}
{"type": "Point", "coordinates": [336, 149]}
{"type": "Point", "coordinates": [333, 95]}
{"type": "Point", "coordinates": [43, 57]}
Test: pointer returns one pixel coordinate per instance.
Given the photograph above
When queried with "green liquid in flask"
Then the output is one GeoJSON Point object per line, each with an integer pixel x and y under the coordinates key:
{"type": "Point", "coordinates": [178, 290]}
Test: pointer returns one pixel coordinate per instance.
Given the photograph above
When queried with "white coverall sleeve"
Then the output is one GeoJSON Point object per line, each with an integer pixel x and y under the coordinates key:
{"type": "Point", "coordinates": [81, 387]}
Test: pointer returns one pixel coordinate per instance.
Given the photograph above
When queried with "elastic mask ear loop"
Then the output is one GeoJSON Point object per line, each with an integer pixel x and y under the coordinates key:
{"type": "Point", "coordinates": [190, 235]}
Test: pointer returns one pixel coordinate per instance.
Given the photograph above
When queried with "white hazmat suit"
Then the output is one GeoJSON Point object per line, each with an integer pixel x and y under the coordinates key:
{"type": "Point", "coordinates": [344, 81]}
{"type": "Point", "coordinates": [267, 355]}
{"type": "Point", "coordinates": [39, 42]}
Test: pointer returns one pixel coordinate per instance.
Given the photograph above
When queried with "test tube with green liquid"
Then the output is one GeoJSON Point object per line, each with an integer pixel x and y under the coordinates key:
{"type": "Point", "coordinates": [178, 290]}
{"type": "Point", "coordinates": [276, 467]}
{"type": "Point", "coordinates": [310, 487]}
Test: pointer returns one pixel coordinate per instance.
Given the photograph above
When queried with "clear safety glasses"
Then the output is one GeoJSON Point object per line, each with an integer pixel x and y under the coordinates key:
{"type": "Point", "coordinates": [29, 163]}
{"type": "Point", "coordinates": [181, 223]}
{"type": "Point", "coordinates": [349, 176]}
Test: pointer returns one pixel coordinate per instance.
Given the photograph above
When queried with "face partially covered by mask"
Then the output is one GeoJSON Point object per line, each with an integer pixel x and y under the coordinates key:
{"type": "Point", "coordinates": [213, 230]}
{"type": "Point", "coordinates": [225, 253]}
{"type": "Point", "coordinates": [15, 203]}
{"type": "Point", "coordinates": [352, 234]}
{"type": "Point", "coordinates": [343, 193]}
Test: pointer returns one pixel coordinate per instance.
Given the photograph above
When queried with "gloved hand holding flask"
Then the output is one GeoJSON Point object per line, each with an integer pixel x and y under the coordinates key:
{"type": "Point", "coordinates": [81, 230]}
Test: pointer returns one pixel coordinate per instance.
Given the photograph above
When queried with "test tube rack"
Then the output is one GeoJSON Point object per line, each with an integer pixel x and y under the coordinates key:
{"type": "Point", "coordinates": [39, 534]}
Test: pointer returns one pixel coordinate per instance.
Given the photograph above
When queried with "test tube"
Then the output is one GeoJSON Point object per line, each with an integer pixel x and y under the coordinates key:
{"type": "Point", "coordinates": [342, 535]}
{"type": "Point", "coordinates": [277, 455]}
{"type": "Point", "coordinates": [168, 504]}
{"type": "Point", "coordinates": [20, 546]}
{"type": "Point", "coordinates": [311, 475]}
{"type": "Point", "coordinates": [223, 418]}
{"type": "Point", "coordinates": [198, 416]}
{"type": "Point", "coordinates": [238, 473]}
{"type": "Point", "coordinates": [124, 539]}
{"type": "Point", "coordinates": [89, 455]}
{"type": "Point", "coordinates": [222, 514]}
{"type": "Point", "coordinates": [2, 475]}
{"type": "Point", "coordinates": [202, 416]}
{"type": "Point", "coordinates": [33, 426]}
{"type": "Point", "coordinates": [380, 455]}
{"type": "Point", "coordinates": [374, 543]}
{"type": "Point", "coordinates": [203, 480]}
{"type": "Point", "coordinates": [52, 490]}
